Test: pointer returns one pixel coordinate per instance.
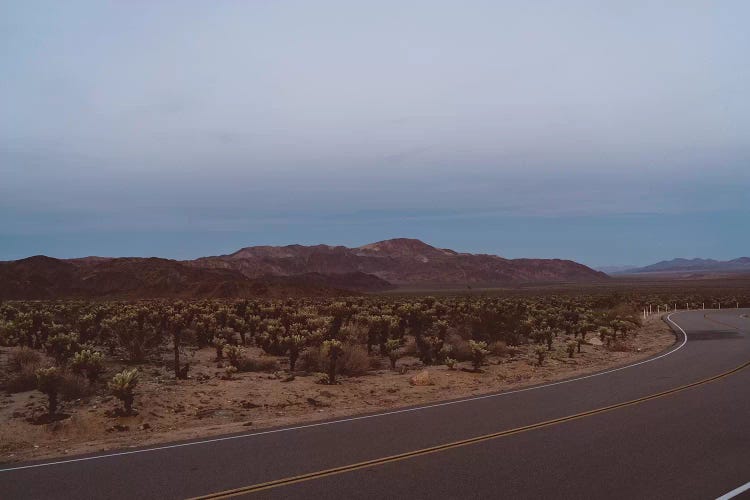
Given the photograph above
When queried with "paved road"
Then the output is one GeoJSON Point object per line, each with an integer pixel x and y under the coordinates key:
{"type": "Point", "coordinates": [692, 442]}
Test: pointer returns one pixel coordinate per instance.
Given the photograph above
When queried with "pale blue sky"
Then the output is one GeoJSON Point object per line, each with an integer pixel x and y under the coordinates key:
{"type": "Point", "coordinates": [605, 132]}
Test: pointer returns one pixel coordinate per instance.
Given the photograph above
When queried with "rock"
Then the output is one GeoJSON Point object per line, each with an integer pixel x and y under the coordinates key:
{"type": "Point", "coordinates": [315, 402]}
{"type": "Point", "coordinates": [145, 426]}
{"type": "Point", "coordinates": [247, 424]}
{"type": "Point", "coordinates": [421, 378]}
{"type": "Point", "coordinates": [118, 428]}
{"type": "Point", "coordinates": [288, 379]}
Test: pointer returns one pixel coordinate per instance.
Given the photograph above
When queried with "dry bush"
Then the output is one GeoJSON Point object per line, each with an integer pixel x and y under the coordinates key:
{"type": "Point", "coordinates": [618, 346]}
{"type": "Point", "coordinates": [353, 360]}
{"type": "Point", "coordinates": [23, 364]}
{"type": "Point", "coordinates": [248, 364]}
{"type": "Point", "coordinates": [499, 348]}
{"type": "Point", "coordinates": [23, 357]}
{"type": "Point", "coordinates": [74, 387]}
{"type": "Point", "coordinates": [376, 363]}
{"type": "Point", "coordinates": [409, 347]}
{"type": "Point", "coordinates": [460, 349]}
{"type": "Point", "coordinates": [312, 360]}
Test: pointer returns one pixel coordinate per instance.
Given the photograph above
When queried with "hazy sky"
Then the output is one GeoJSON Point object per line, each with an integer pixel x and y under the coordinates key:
{"type": "Point", "coordinates": [606, 132]}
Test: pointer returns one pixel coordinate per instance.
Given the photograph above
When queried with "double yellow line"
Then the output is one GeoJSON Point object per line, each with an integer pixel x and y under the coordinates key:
{"type": "Point", "coordinates": [456, 444]}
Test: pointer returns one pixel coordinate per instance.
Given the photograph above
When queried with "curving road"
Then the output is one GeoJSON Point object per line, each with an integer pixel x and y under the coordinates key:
{"type": "Point", "coordinates": [675, 426]}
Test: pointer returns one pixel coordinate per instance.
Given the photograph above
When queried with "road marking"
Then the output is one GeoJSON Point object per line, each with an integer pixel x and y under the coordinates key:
{"type": "Point", "coordinates": [353, 419]}
{"type": "Point", "coordinates": [735, 492]}
{"type": "Point", "coordinates": [457, 444]}
{"type": "Point", "coordinates": [705, 316]}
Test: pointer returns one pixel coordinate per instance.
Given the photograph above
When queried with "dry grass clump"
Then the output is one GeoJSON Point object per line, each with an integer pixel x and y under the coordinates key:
{"type": "Point", "coordinates": [250, 364]}
{"type": "Point", "coordinates": [353, 361]}
{"type": "Point", "coordinates": [22, 366]}
{"type": "Point", "coordinates": [74, 387]}
{"type": "Point", "coordinates": [460, 350]}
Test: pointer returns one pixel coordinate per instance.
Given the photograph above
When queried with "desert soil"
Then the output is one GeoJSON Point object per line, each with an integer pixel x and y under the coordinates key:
{"type": "Point", "coordinates": [206, 405]}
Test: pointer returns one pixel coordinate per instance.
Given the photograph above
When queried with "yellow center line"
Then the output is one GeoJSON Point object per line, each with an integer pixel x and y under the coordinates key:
{"type": "Point", "coordinates": [720, 322]}
{"type": "Point", "coordinates": [456, 444]}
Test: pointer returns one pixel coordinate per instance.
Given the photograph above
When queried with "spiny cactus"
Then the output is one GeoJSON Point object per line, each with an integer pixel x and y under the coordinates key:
{"type": "Point", "coordinates": [122, 386]}
{"type": "Point", "coordinates": [62, 346]}
{"type": "Point", "coordinates": [48, 381]}
{"type": "Point", "coordinates": [570, 346]}
{"type": "Point", "coordinates": [89, 363]}
{"type": "Point", "coordinates": [541, 353]}
{"type": "Point", "coordinates": [393, 350]}
{"type": "Point", "coordinates": [479, 353]}
{"type": "Point", "coordinates": [332, 349]}
{"type": "Point", "coordinates": [234, 354]}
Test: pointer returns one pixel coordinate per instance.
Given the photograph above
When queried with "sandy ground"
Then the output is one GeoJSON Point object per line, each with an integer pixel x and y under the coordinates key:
{"type": "Point", "coordinates": [206, 405]}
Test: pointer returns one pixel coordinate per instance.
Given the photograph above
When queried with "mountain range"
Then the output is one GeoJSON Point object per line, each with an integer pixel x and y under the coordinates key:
{"type": "Point", "coordinates": [694, 265]}
{"type": "Point", "coordinates": [271, 271]}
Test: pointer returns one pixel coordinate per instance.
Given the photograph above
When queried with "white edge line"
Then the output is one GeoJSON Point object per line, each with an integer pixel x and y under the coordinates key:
{"type": "Point", "coordinates": [735, 492]}
{"type": "Point", "coordinates": [363, 417]}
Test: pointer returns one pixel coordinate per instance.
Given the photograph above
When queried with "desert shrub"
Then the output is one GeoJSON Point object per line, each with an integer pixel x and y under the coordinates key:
{"type": "Point", "coordinates": [450, 363]}
{"type": "Point", "coordinates": [540, 352]}
{"type": "Point", "coordinates": [48, 381]}
{"type": "Point", "coordinates": [122, 386]}
{"type": "Point", "coordinates": [479, 353]}
{"type": "Point", "coordinates": [22, 358]}
{"type": "Point", "coordinates": [22, 366]}
{"type": "Point", "coordinates": [618, 346]}
{"type": "Point", "coordinates": [460, 349]}
{"type": "Point", "coordinates": [499, 348]}
{"type": "Point", "coordinates": [248, 364]}
{"type": "Point", "coordinates": [74, 386]}
{"type": "Point", "coordinates": [353, 360]}
{"type": "Point", "coordinates": [409, 347]}
{"type": "Point", "coordinates": [570, 347]}
{"type": "Point", "coordinates": [312, 360]}
{"type": "Point", "coordinates": [88, 363]}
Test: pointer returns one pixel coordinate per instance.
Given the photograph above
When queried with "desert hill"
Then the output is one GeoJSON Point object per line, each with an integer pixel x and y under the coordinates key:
{"type": "Point", "coordinates": [267, 271]}
{"type": "Point", "coordinates": [739, 265]}
{"type": "Point", "coordinates": [401, 261]}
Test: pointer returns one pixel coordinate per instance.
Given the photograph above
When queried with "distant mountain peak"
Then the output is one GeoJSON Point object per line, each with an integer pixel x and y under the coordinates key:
{"type": "Point", "coordinates": [741, 264]}
{"type": "Point", "coordinates": [402, 247]}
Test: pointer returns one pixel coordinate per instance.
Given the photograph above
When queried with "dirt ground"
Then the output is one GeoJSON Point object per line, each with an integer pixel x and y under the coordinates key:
{"type": "Point", "coordinates": [206, 405]}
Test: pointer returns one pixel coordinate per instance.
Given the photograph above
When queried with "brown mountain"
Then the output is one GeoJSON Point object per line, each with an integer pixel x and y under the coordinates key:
{"type": "Point", "coordinates": [401, 261]}
{"type": "Point", "coordinates": [41, 277]}
{"type": "Point", "coordinates": [267, 271]}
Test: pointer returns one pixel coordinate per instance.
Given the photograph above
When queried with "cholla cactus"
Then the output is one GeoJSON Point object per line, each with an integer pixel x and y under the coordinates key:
{"type": "Point", "coordinates": [295, 344]}
{"type": "Point", "coordinates": [62, 346]}
{"type": "Point", "coordinates": [541, 353]}
{"type": "Point", "coordinates": [122, 387]}
{"type": "Point", "coordinates": [89, 363]}
{"type": "Point", "coordinates": [450, 363]}
{"type": "Point", "coordinates": [393, 350]}
{"type": "Point", "coordinates": [570, 346]}
{"type": "Point", "coordinates": [332, 349]}
{"type": "Point", "coordinates": [479, 352]}
{"type": "Point", "coordinates": [234, 354]}
{"type": "Point", "coordinates": [48, 381]}
{"type": "Point", "coordinates": [229, 372]}
{"type": "Point", "coordinates": [219, 343]}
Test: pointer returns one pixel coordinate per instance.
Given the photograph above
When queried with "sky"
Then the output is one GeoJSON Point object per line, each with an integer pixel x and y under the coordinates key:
{"type": "Point", "coordinates": [609, 133]}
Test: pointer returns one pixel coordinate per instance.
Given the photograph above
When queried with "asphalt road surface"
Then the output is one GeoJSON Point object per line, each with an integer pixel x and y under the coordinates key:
{"type": "Point", "coordinates": [675, 426]}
